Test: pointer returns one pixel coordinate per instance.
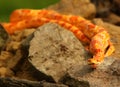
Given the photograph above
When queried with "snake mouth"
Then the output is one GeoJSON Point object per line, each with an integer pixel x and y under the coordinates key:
{"type": "Point", "coordinates": [94, 66]}
{"type": "Point", "coordinates": [93, 63]}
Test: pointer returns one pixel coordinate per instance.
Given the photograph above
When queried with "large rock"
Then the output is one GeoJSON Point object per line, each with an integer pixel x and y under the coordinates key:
{"type": "Point", "coordinates": [53, 50]}
{"type": "Point", "coordinates": [76, 7]}
{"type": "Point", "coordinates": [9, 82]}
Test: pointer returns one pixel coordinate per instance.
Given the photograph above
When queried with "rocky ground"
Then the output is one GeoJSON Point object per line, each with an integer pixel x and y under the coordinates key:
{"type": "Point", "coordinates": [57, 58]}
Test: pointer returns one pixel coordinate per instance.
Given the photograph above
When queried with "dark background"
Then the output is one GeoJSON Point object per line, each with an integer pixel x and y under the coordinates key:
{"type": "Point", "coordinates": [7, 6]}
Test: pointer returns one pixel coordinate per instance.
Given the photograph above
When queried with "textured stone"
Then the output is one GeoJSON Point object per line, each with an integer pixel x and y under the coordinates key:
{"type": "Point", "coordinates": [76, 7]}
{"type": "Point", "coordinates": [8, 82]}
{"type": "Point", "coordinates": [53, 50]}
{"type": "Point", "coordinates": [108, 76]}
{"type": "Point", "coordinates": [3, 37]}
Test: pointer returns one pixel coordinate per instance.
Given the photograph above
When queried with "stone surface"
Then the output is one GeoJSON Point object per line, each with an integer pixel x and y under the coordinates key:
{"type": "Point", "coordinates": [8, 82]}
{"type": "Point", "coordinates": [53, 50]}
{"type": "Point", "coordinates": [108, 10]}
{"type": "Point", "coordinates": [12, 53]}
{"type": "Point", "coordinates": [3, 37]}
{"type": "Point", "coordinates": [78, 76]}
{"type": "Point", "coordinates": [76, 7]}
{"type": "Point", "coordinates": [113, 19]}
{"type": "Point", "coordinates": [103, 7]}
{"type": "Point", "coordinates": [116, 6]}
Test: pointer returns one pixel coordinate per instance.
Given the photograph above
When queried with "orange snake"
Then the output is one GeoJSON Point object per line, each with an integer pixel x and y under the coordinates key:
{"type": "Point", "coordinates": [96, 37]}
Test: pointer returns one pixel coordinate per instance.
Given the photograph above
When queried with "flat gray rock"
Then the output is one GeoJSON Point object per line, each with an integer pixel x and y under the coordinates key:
{"type": "Point", "coordinates": [53, 50]}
